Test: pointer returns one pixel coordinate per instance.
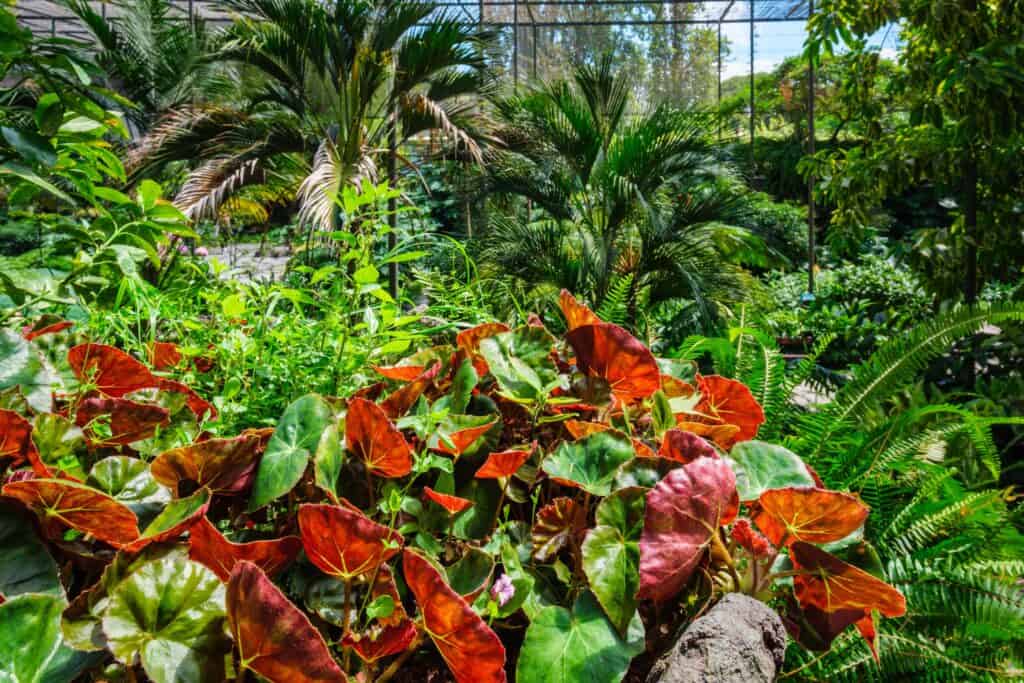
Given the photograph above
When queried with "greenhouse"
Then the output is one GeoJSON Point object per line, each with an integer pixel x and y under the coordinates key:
{"type": "Point", "coordinates": [479, 341]}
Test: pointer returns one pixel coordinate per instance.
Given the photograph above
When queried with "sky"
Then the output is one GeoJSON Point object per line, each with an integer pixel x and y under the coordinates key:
{"type": "Point", "coordinates": [773, 42]}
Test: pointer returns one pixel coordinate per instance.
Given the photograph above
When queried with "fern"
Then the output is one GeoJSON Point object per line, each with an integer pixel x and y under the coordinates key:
{"type": "Point", "coordinates": [890, 368]}
{"type": "Point", "coordinates": [615, 305]}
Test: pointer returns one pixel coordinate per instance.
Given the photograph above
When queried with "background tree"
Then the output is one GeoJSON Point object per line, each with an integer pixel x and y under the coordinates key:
{"type": "Point", "coordinates": [963, 80]}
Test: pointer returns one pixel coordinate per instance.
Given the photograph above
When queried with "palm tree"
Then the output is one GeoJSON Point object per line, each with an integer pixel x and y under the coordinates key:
{"type": "Point", "coordinates": [155, 61]}
{"type": "Point", "coordinates": [333, 86]}
{"type": "Point", "coordinates": [620, 205]}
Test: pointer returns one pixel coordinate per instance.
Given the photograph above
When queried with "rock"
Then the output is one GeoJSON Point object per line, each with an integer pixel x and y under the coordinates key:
{"type": "Point", "coordinates": [740, 640]}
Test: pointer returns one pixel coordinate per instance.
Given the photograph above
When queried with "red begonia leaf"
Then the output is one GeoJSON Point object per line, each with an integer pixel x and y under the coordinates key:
{"type": "Point", "coordinates": [580, 428]}
{"type": "Point", "coordinates": [504, 463]}
{"type": "Point", "coordinates": [45, 325]}
{"type": "Point", "coordinates": [16, 438]}
{"type": "Point", "coordinates": [401, 400]}
{"type": "Point", "coordinates": [400, 373]}
{"type": "Point", "coordinates": [684, 447]}
{"type": "Point", "coordinates": [273, 637]}
{"type": "Point", "coordinates": [814, 628]}
{"type": "Point", "coordinates": [225, 466]}
{"type": "Point", "coordinates": [378, 643]}
{"type": "Point", "coordinates": [79, 507]}
{"type": "Point", "coordinates": [462, 439]}
{"type": "Point", "coordinates": [473, 652]}
{"type": "Point", "coordinates": [830, 584]}
{"type": "Point", "coordinates": [557, 524]}
{"type": "Point", "coordinates": [343, 542]}
{"type": "Point", "coordinates": [808, 514]}
{"type": "Point", "coordinates": [196, 403]}
{"type": "Point", "coordinates": [372, 437]}
{"type": "Point", "coordinates": [453, 504]}
{"type": "Point", "coordinates": [676, 388]}
{"type": "Point", "coordinates": [610, 352]}
{"type": "Point", "coordinates": [683, 511]}
{"type": "Point", "coordinates": [208, 547]}
{"type": "Point", "coordinates": [164, 355]}
{"type": "Point", "coordinates": [111, 370]}
{"type": "Point", "coordinates": [869, 632]}
{"type": "Point", "coordinates": [129, 421]}
{"type": "Point", "coordinates": [576, 314]}
{"type": "Point", "coordinates": [643, 450]}
{"type": "Point", "coordinates": [469, 341]}
{"type": "Point", "coordinates": [726, 401]}
{"type": "Point", "coordinates": [725, 436]}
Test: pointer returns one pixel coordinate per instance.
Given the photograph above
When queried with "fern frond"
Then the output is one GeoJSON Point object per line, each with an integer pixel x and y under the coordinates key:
{"type": "Point", "coordinates": [614, 307]}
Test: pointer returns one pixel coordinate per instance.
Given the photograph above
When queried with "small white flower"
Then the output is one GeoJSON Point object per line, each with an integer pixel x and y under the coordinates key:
{"type": "Point", "coordinates": [503, 590]}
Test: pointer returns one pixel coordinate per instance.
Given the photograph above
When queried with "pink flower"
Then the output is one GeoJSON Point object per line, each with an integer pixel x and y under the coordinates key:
{"type": "Point", "coordinates": [202, 251]}
{"type": "Point", "coordinates": [503, 590]}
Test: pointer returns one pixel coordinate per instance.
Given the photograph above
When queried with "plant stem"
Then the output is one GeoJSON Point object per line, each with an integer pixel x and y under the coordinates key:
{"type": "Point", "coordinates": [501, 501]}
{"type": "Point", "coordinates": [389, 672]}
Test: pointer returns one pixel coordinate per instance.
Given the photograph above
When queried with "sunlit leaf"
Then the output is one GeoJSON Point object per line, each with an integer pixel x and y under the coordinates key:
{"type": "Point", "coordinates": [590, 463]}
{"type": "Point", "coordinates": [607, 351]}
{"type": "Point", "coordinates": [521, 363]}
{"type": "Point", "coordinates": [378, 642]}
{"type": "Point", "coordinates": [225, 466]}
{"type": "Point", "coordinates": [684, 447]}
{"type": "Point", "coordinates": [453, 504]}
{"type": "Point", "coordinates": [32, 649]}
{"type": "Point", "coordinates": [169, 613]}
{"type": "Point", "coordinates": [343, 542]}
{"type": "Point", "coordinates": [576, 314]}
{"type": "Point", "coordinates": [683, 511]}
{"type": "Point", "coordinates": [208, 547]}
{"type": "Point", "coordinates": [175, 519]}
{"type": "Point", "coordinates": [15, 437]}
{"type": "Point", "coordinates": [473, 651]}
{"type": "Point", "coordinates": [831, 584]}
{"type": "Point", "coordinates": [401, 400]}
{"type": "Point", "coordinates": [290, 448]}
{"type": "Point", "coordinates": [504, 463]}
{"type": "Point", "coordinates": [726, 401]}
{"type": "Point", "coordinates": [808, 514]}
{"type": "Point", "coordinates": [577, 646]}
{"type": "Point", "coordinates": [762, 466]}
{"type": "Point", "coordinates": [110, 370]}
{"type": "Point", "coordinates": [374, 439]}
{"type": "Point", "coordinates": [77, 506]}
{"type": "Point", "coordinates": [611, 554]}
{"type": "Point", "coordinates": [458, 434]}
{"type": "Point", "coordinates": [58, 443]}
{"type": "Point", "coordinates": [469, 342]}
{"type": "Point", "coordinates": [273, 637]}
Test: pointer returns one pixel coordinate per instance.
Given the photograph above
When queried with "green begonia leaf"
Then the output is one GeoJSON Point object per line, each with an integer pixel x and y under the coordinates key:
{"type": "Point", "coordinates": [763, 466]}
{"type": "Point", "coordinates": [591, 462]}
{"type": "Point", "coordinates": [128, 480]}
{"type": "Point", "coordinates": [25, 564]}
{"type": "Point", "coordinates": [611, 554]}
{"type": "Point", "coordinates": [31, 647]}
{"type": "Point", "coordinates": [290, 448]}
{"type": "Point", "coordinates": [22, 367]}
{"type": "Point", "coordinates": [170, 614]}
{"type": "Point", "coordinates": [521, 362]}
{"type": "Point", "coordinates": [581, 645]}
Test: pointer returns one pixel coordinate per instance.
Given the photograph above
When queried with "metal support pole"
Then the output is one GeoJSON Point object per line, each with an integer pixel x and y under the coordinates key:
{"type": "Point", "coordinates": [534, 51]}
{"type": "Point", "coordinates": [515, 44]}
{"type": "Point", "coordinates": [811, 145]}
{"type": "Point", "coordinates": [752, 99]}
{"type": "Point", "coordinates": [719, 82]}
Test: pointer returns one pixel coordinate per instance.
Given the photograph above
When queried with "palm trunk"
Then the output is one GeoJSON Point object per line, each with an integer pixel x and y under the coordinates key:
{"type": "Point", "coordinates": [393, 205]}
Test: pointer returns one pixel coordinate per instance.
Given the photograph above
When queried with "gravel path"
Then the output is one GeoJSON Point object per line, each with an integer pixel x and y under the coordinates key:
{"type": "Point", "coordinates": [246, 263]}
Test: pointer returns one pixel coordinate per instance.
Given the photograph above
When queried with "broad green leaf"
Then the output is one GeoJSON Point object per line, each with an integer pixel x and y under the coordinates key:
{"type": "Point", "coordinates": [611, 554]}
{"type": "Point", "coordinates": [32, 649]}
{"type": "Point", "coordinates": [22, 367]}
{"type": "Point", "coordinates": [328, 460]}
{"type": "Point", "coordinates": [763, 466]}
{"type": "Point", "coordinates": [577, 646]}
{"type": "Point", "coordinates": [470, 574]}
{"type": "Point", "coordinates": [475, 523]}
{"type": "Point", "coordinates": [59, 441]}
{"type": "Point", "coordinates": [233, 306]}
{"type": "Point", "coordinates": [49, 113]}
{"type": "Point", "coordinates": [322, 595]}
{"type": "Point", "coordinates": [290, 448]}
{"type": "Point", "coordinates": [521, 362]}
{"type": "Point", "coordinates": [461, 391]}
{"type": "Point", "coordinates": [591, 462]}
{"type": "Point", "coordinates": [128, 480]}
{"type": "Point", "coordinates": [149, 193]}
{"type": "Point", "coordinates": [170, 614]}
{"type": "Point", "coordinates": [33, 147]}
{"type": "Point", "coordinates": [31, 177]}
{"type": "Point", "coordinates": [25, 564]}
